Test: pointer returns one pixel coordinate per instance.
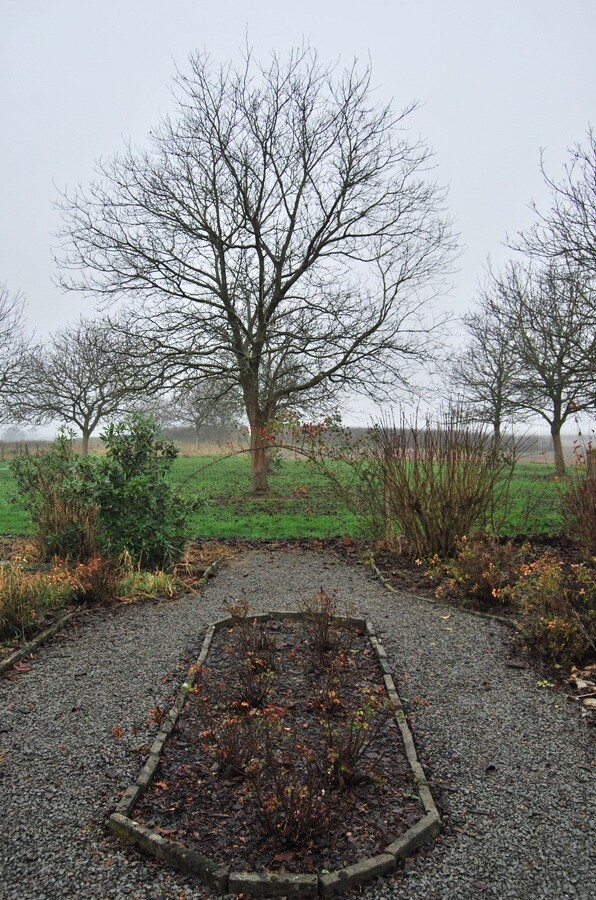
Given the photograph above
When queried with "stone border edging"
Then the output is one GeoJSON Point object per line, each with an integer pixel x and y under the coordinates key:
{"type": "Point", "coordinates": [504, 620]}
{"type": "Point", "coordinates": [222, 880]}
{"type": "Point", "coordinates": [9, 661]}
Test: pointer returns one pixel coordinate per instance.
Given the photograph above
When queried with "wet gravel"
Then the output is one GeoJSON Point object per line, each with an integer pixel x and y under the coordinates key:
{"type": "Point", "coordinates": [511, 763]}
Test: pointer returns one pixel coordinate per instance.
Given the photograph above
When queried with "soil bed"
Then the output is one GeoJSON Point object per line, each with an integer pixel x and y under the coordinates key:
{"type": "Point", "coordinates": [193, 801]}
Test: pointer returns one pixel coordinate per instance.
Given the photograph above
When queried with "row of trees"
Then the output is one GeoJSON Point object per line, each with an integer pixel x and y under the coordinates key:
{"type": "Point", "coordinates": [531, 341]}
{"type": "Point", "coordinates": [80, 377]}
{"type": "Point", "coordinates": [278, 245]}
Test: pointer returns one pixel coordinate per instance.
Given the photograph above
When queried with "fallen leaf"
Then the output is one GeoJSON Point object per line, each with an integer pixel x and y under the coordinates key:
{"type": "Point", "coordinates": [117, 732]}
{"type": "Point", "coordinates": [22, 667]}
{"type": "Point", "coordinates": [284, 857]}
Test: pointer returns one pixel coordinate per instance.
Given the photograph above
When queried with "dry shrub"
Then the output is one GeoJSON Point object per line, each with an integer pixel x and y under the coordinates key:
{"type": "Point", "coordinates": [430, 483]}
{"type": "Point", "coordinates": [579, 514]}
{"type": "Point", "coordinates": [98, 580]}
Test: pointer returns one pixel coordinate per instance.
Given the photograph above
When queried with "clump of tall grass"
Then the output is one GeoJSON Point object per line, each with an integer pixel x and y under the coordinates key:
{"type": "Point", "coordinates": [25, 596]}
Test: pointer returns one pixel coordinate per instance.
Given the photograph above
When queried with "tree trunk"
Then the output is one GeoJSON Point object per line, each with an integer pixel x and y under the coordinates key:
{"type": "Point", "coordinates": [85, 444]}
{"type": "Point", "coordinates": [497, 434]}
{"type": "Point", "coordinates": [258, 460]}
{"type": "Point", "coordinates": [558, 448]}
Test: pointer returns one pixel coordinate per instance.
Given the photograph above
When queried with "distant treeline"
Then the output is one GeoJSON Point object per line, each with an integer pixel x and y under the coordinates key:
{"type": "Point", "coordinates": [213, 436]}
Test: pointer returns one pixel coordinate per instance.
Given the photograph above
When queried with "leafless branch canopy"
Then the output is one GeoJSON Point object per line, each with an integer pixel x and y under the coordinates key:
{"type": "Point", "coordinates": [566, 232]}
{"type": "Point", "coordinates": [280, 231]}
{"type": "Point", "coordinates": [281, 212]}
{"type": "Point", "coordinates": [550, 317]}
{"type": "Point", "coordinates": [13, 345]}
{"type": "Point", "coordinates": [79, 377]}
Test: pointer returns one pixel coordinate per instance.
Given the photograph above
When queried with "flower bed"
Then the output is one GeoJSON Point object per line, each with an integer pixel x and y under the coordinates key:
{"type": "Point", "coordinates": [291, 769]}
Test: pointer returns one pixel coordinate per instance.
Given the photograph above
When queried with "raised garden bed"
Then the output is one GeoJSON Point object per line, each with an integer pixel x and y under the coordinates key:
{"type": "Point", "coordinates": [316, 790]}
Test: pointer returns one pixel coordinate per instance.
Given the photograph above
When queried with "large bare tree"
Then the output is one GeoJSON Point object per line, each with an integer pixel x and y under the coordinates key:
{"type": "Point", "coordinates": [280, 231]}
{"type": "Point", "coordinates": [79, 377]}
{"type": "Point", "coordinates": [550, 317]}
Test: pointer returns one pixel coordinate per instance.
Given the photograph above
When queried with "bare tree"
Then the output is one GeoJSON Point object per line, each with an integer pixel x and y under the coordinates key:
{"type": "Point", "coordinates": [485, 370]}
{"type": "Point", "coordinates": [79, 377]}
{"type": "Point", "coordinates": [13, 346]}
{"type": "Point", "coordinates": [279, 233]}
{"type": "Point", "coordinates": [208, 403]}
{"type": "Point", "coordinates": [553, 335]}
{"type": "Point", "coordinates": [566, 232]}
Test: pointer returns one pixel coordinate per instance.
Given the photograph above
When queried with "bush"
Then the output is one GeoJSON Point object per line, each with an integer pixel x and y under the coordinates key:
{"type": "Point", "coordinates": [480, 571]}
{"type": "Point", "coordinates": [139, 511]}
{"type": "Point", "coordinates": [82, 507]}
{"type": "Point", "coordinates": [424, 486]}
{"type": "Point", "coordinates": [55, 492]}
{"type": "Point", "coordinates": [559, 606]}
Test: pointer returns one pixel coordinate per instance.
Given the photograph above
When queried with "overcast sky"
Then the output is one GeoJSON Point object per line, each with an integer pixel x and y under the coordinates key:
{"type": "Point", "coordinates": [497, 81]}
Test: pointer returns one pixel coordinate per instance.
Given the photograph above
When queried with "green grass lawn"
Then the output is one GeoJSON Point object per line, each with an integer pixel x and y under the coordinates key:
{"type": "Point", "coordinates": [302, 502]}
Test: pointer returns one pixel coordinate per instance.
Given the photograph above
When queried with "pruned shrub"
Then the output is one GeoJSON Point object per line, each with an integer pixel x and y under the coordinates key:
{"type": "Point", "coordinates": [349, 741]}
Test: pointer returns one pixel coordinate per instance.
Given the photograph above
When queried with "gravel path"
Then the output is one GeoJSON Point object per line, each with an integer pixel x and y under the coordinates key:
{"type": "Point", "coordinates": [510, 762]}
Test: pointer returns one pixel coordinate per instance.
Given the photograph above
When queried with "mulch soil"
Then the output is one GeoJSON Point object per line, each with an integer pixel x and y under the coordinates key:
{"type": "Point", "coordinates": [194, 800]}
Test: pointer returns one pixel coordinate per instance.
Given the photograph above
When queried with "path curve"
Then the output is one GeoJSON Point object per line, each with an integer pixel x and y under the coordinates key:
{"type": "Point", "coordinates": [511, 763]}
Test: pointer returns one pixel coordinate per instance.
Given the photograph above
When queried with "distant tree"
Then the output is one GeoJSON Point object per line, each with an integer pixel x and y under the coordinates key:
{"type": "Point", "coordinates": [484, 371]}
{"type": "Point", "coordinates": [280, 233]}
{"type": "Point", "coordinates": [552, 331]}
{"type": "Point", "coordinates": [566, 231]}
{"type": "Point", "coordinates": [208, 404]}
{"type": "Point", "coordinates": [79, 378]}
{"type": "Point", "coordinates": [13, 347]}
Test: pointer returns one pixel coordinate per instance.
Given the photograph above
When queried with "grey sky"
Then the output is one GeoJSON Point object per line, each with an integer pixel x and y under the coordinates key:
{"type": "Point", "coordinates": [498, 80]}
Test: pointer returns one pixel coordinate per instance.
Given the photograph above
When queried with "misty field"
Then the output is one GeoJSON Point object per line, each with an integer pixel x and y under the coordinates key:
{"type": "Point", "coordinates": [302, 502]}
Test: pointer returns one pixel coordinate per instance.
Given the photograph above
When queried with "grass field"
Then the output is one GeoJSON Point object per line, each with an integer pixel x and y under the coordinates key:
{"type": "Point", "coordinates": [302, 502]}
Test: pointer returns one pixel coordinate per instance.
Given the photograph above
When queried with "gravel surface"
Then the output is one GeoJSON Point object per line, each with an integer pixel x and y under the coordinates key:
{"type": "Point", "coordinates": [510, 762]}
